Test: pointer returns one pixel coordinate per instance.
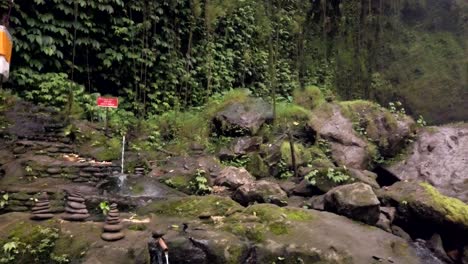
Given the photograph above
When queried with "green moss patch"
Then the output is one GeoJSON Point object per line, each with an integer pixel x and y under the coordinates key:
{"type": "Point", "coordinates": [270, 212]}
{"type": "Point", "coordinates": [31, 243]}
{"type": "Point", "coordinates": [257, 167]}
{"type": "Point", "coordinates": [309, 97]}
{"type": "Point", "coordinates": [287, 113]}
{"type": "Point", "coordinates": [301, 153]}
{"type": "Point", "coordinates": [455, 210]}
{"type": "Point", "coordinates": [179, 182]}
{"type": "Point", "coordinates": [193, 206]}
{"type": "Point", "coordinates": [100, 147]}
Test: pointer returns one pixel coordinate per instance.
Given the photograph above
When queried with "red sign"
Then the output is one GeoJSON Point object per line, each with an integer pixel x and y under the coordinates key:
{"type": "Point", "coordinates": [112, 102]}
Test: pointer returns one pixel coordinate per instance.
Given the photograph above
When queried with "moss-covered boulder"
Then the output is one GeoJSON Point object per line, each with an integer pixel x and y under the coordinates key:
{"type": "Point", "coordinates": [242, 118]}
{"type": "Point", "coordinates": [310, 97]}
{"type": "Point", "coordinates": [389, 131]}
{"type": "Point", "coordinates": [423, 211]}
{"type": "Point", "coordinates": [347, 147]}
{"type": "Point", "coordinates": [193, 206]}
{"type": "Point", "coordinates": [422, 202]}
{"type": "Point", "coordinates": [54, 241]}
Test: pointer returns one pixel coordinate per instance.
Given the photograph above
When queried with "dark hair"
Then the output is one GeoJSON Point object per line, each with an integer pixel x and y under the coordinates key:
{"type": "Point", "coordinates": [5, 19]}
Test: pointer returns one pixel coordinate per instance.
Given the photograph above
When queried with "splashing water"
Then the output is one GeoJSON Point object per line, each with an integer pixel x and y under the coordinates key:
{"type": "Point", "coordinates": [122, 179]}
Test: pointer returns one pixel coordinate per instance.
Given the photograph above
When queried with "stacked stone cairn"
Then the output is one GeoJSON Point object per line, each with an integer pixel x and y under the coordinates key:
{"type": "Point", "coordinates": [139, 172]}
{"type": "Point", "coordinates": [112, 228]}
{"type": "Point", "coordinates": [41, 209]}
{"type": "Point", "coordinates": [75, 208]}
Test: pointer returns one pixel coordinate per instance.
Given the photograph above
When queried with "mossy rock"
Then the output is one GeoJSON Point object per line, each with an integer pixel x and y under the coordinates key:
{"type": "Point", "coordinates": [74, 246]}
{"type": "Point", "coordinates": [270, 212]}
{"type": "Point", "coordinates": [179, 182]}
{"type": "Point", "coordinates": [423, 201]}
{"type": "Point", "coordinates": [97, 145]}
{"type": "Point", "coordinates": [21, 196]}
{"type": "Point", "coordinates": [193, 206]}
{"type": "Point", "coordinates": [387, 130]}
{"type": "Point", "coordinates": [310, 97]}
{"type": "Point", "coordinates": [301, 153]}
{"type": "Point", "coordinates": [257, 167]}
{"type": "Point", "coordinates": [291, 114]}
{"type": "Point", "coordinates": [261, 220]}
{"type": "Point", "coordinates": [29, 238]}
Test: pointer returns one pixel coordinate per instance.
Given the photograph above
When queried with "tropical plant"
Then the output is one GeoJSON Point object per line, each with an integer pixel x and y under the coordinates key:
{"type": "Point", "coordinates": [105, 207]}
{"type": "Point", "coordinates": [199, 184]}
{"type": "Point", "coordinates": [4, 200]}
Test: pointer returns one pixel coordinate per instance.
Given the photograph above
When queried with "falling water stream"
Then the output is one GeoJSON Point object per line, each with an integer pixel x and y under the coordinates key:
{"type": "Point", "coordinates": [167, 257]}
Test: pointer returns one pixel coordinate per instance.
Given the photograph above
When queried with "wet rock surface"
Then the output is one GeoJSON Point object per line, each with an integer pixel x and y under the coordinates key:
{"type": "Point", "coordinates": [439, 156]}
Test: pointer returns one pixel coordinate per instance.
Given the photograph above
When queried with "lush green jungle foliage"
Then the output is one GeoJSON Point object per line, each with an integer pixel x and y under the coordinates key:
{"type": "Point", "coordinates": [174, 54]}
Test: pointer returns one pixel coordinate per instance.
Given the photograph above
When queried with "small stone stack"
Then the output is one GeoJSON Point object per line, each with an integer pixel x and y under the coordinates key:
{"type": "Point", "coordinates": [75, 208]}
{"type": "Point", "coordinates": [197, 149]}
{"type": "Point", "coordinates": [139, 171]}
{"type": "Point", "coordinates": [41, 209]}
{"type": "Point", "coordinates": [112, 227]}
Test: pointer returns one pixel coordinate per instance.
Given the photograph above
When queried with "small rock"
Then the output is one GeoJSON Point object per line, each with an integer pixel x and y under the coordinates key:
{"type": "Point", "coordinates": [317, 203]}
{"type": "Point", "coordinates": [76, 205]}
{"type": "Point", "coordinates": [112, 236]}
{"type": "Point", "coordinates": [356, 201]}
{"type": "Point", "coordinates": [42, 216]}
{"type": "Point", "coordinates": [113, 228]}
{"type": "Point", "coordinates": [54, 170]}
{"type": "Point", "coordinates": [76, 211]}
{"type": "Point", "coordinates": [76, 199]}
{"type": "Point", "coordinates": [75, 217]}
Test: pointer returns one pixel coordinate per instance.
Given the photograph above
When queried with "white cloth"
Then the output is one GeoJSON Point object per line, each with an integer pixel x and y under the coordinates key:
{"type": "Point", "coordinates": [4, 69]}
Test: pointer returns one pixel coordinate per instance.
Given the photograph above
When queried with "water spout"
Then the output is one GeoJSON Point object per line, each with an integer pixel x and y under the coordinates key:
{"type": "Point", "coordinates": [123, 155]}
{"type": "Point", "coordinates": [167, 257]}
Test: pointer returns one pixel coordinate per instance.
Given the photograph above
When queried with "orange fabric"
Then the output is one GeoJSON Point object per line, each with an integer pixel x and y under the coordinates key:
{"type": "Point", "coordinates": [6, 45]}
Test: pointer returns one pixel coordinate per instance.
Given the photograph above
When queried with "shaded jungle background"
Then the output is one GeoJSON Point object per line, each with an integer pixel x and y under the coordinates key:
{"type": "Point", "coordinates": [174, 54]}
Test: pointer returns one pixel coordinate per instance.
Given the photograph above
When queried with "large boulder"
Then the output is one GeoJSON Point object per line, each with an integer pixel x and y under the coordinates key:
{"type": "Point", "coordinates": [233, 177]}
{"type": "Point", "coordinates": [420, 202]}
{"type": "Point", "coordinates": [440, 157]}
{"type": "Point", "coordinates": [356, 201]}
{"type": "Point", "coordinates": [243, 118]}
{"type": "Point", "coordinates": [261, 192]}
{"type": "Point", "coordinates": [266, 233]}
{"type": "Point", "coordinates": [387, 130]}
{"type": "Point", "coordinates": [423, 211]}
{"type": "Point", "coordinates": [347, 147]}
{"type": "Point", "coordinates": [206, 246]}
